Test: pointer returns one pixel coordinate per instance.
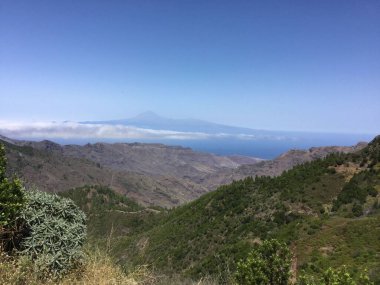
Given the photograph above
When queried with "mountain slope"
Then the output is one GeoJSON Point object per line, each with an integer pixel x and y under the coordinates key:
{"type": "Point", "coordinates": [156, 159]}
{"type": "Point", "coordinates": [210, 234]}
{"type": "Point", "coordinates": [149, 173]}
{"type": "Point", "coordinates": [52, 171]}
{"type": "Point", "coordinates": [276, 166]}
{"type": "Point", "coordinates": [110, 213]}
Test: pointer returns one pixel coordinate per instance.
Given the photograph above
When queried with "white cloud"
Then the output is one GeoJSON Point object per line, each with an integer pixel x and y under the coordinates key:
{"type": "Point", "coordinates": [73, 130]}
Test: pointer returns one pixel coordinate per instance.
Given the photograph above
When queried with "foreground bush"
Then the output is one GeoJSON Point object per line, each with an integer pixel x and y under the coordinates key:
{"type": "Point", "coordinates": [268, 263]}
{"type": "Point", "coordinates": [335, 277]}
{"type": "Point", "coordinates": [12, 200]}
{"type": "Point", "coordinates": [11, 194]}
{"type": "Point", "coordinates": [56, 232]}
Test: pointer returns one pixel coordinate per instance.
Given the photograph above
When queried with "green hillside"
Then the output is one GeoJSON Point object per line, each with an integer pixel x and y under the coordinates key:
{"type": "Point", "coordinates": [111, 214]}
{"type": "Point", "coordinates": [326, 210]}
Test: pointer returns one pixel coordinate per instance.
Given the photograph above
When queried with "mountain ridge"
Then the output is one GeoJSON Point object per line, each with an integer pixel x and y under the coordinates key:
{"type": "Point", "coordinates": [149, 173]}
{"type": "Point", "coordinates": [154, 121]}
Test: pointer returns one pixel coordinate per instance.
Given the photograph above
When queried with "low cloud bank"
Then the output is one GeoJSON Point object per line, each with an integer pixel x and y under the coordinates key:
{"type": "Point", "coordinates": [73, 130]}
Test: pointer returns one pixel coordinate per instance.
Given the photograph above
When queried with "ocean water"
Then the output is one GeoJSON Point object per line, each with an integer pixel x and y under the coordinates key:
{"type": "Point", "coordinates": [265, 149]}
{"type": "Point", "coordinates": [262, 148]}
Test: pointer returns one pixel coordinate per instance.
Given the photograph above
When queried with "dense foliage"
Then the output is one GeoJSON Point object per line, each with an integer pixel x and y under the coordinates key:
{"type": "Point", "coordinates": [357, 189]}
{"type": "Point", "coordinates": [335, 277]}
{"type": "Point", "coordinates": [12, 199]}
{"type": "Point", "coordinates": [98, 198]}
{"type": "Point", "coordinates": [110, 213]}
{"type": "Point", "coordinates": [268, 263]}
{"type": "Point", "coordinates": [11, 194]}
{"type": "Point", "coordinates": [56, 232]}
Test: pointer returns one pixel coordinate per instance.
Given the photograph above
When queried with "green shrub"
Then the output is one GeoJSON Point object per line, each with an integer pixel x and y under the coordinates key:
{"type": "Point", "coordinates": [357, 210]}
{"type": "Point", "coordinates": [268, 263]}
{"type": "Point", "coordinates": [12, 199]}
{"type": "Point", "coordinates": [11, 195]}
{"type": "Point", "coordinates": [56, 232]}
{"type": "Point", "coordinates": [357, 189]}
{"type": "Point", "coordinates": [372, 191]}
{"type": "Point", "coordinates": [335, 277]}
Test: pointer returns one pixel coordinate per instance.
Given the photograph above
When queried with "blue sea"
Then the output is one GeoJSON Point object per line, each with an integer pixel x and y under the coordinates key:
{"type": "Point", "coordinates": [261, 148]}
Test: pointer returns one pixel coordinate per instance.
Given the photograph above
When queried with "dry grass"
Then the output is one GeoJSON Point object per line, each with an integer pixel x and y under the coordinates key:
{"type": "Point", "coordinates": [99, 269]}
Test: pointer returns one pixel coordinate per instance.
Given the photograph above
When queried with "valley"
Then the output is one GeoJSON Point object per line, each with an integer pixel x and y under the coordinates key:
{"type": "Point", "coordinates": [191, 214]}
{"type": "Point", "coordinates": [151, 174]}
{"type": "Point", "coordinates": [326, 213]}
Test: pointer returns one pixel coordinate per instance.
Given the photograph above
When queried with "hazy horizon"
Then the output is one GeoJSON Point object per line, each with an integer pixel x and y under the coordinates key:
{"type": "Point", "coordinates": [39, 123]}
{"type": "Point", "coordinates": [198, 135]}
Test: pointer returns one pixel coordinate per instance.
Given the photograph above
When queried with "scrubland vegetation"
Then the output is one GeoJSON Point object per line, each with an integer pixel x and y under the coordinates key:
{"type": "Point", "coordinates": [317, 224]}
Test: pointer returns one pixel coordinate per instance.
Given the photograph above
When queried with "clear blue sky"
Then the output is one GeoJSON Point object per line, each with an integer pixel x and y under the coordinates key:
{"type": "Point", "coordinates": [281, 65]}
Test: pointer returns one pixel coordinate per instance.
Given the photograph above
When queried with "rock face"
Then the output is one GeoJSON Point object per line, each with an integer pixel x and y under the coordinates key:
{"type": "Point", "coordinates": [156, 159]}
{"type": "Point", "coordinates": [150, 173]}
{"type": "Point", "coordinates": [152, 159]}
